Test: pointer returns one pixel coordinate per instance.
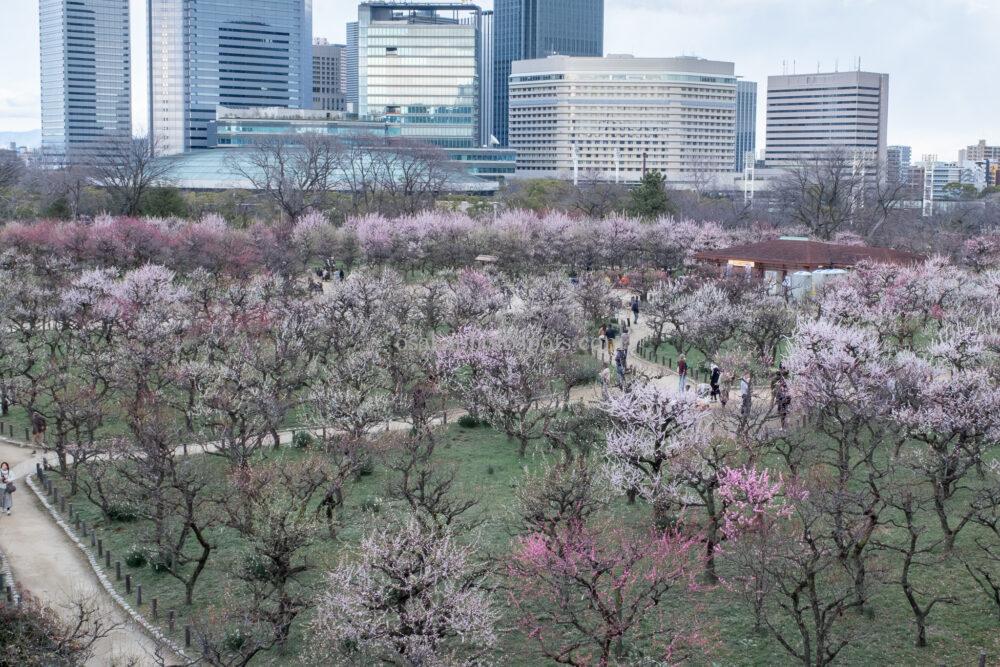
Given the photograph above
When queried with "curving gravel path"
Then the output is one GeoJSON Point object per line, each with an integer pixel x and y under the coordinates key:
{"type": "Point", "coordinates": [46, 563]}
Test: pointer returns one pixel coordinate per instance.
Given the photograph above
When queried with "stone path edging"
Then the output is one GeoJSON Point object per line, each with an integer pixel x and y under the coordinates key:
{"type": "Point", "coordinates": [8, 578]}
{"type": "Point", "coordinates": [102, 577]}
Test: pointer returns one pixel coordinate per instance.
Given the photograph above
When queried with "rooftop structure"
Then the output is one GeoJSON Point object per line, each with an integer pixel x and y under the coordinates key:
{"type": "Point", "coordinates": [790, 255]}
{"type": "Point", "coordinates": [245, 127]}
{"type": "Point", "coordinates": [221, 170]}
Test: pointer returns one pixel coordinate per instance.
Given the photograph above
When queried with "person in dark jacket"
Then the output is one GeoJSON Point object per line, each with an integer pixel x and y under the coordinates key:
{"type": "Point", "coordinates": [682, 374]}
{"type": "Point", "coordinates": [620, 367]}
{"type": "Point", "coordinates": [714, 381]}
{"type": "Point", "coordinates": [38, 426]}
{"type": "Point", "coordinates": [635, 309]}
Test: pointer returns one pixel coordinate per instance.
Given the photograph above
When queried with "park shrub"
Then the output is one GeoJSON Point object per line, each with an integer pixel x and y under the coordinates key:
{"type": "Point", "coordinates": [372, 505]}
{"type": "Point", "coordinates": [159, 562]}
{"type": "Point", "coordinates": [254, 568]}
{"type": "Point", "coordinates": [303, 440]}
{"type": "Point", "coordinates": [122, 513]}
{"type": "Point", "coordinates": [136, 556]}
{"type": "Point", "coordinates": [468, 421]}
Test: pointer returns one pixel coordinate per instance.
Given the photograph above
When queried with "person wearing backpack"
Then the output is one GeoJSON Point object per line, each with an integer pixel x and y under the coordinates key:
{"type": "Point", "coordinates": [714, 381]}
{"type": "Point", "coordinates": [7, 488]}
{"type": "Point", "coordinates": [38, 426]}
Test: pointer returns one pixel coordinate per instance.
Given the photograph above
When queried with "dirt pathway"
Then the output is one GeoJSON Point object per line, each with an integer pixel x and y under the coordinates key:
{"type": "Point", "coordinates": [45, 562]}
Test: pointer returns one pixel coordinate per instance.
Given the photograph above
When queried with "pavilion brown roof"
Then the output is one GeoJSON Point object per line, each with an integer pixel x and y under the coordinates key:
{"type": "Point", "coordinates": [795, 253]}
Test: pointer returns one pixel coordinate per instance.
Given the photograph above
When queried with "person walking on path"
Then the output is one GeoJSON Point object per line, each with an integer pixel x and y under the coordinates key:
{"type": "Point", "coordinates": [611, 332]}
{"type": "Point", "coordinates": [782, 399]}
{"type": "Point", "coordinates": [620, 368]}
{"type": "Point", "coordinates": [626, 340]}
{"type": "Point", "coordinates": [605, 376]}
{"type": "Point", "coordinates": [635, 309]}
{"type": "Point", "coordinates": [714, 381]}
{"type": "Point", "coordinates": [38, 426]}
{"type": "Point", "coordinates": [746, 397]}
{"type": "Point", "coordinates": [682, 374]}
{"type": "Point", "coordinates": [7, 488]}
{"type": "Point", "coordinates": [602, 335]}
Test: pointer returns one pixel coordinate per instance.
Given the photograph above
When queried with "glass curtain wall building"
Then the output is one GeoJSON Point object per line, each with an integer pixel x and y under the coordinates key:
{"type": "Point", "coordinates": [418, 68]}
{"type": "Point", "coordinates": [531, 29]}
{"type": "Point", "coordinates": [85, 75]}
{"type": "Point", "coordinates": [746, 122]}
{"type": "Point", "coordinates": [351, 59]}
{"type": "Point", "coordinates": [486, 80]}
{"type": "Point", "coordinates": [207, 53]}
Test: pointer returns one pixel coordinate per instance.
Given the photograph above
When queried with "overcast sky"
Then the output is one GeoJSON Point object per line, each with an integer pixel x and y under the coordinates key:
{"type": "Point", "coordinates": [942, 55]}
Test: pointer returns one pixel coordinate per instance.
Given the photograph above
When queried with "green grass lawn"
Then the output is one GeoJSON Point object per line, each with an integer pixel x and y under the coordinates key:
{"type": "Point", "coordinates": [488, 470]}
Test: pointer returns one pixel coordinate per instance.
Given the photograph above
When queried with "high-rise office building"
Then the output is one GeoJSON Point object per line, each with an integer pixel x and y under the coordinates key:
{"type": "Point", "coordinates": [209, 53]}
{"type": "Point", "coordinates": [486, 80]}
{"type": "Point", "coordinates": [746, 122]}
{"type": "Point", "coordinates": [418, 67]}
{"type": "Point", "coordinates": [898, 163]}
{"type": "Point", "coordinates": [329, 89]}
{"type": "Point", "coordinates": [809, 115]}
{"type": "Point", "coordinates": [615, 117]}
{"type": "Point", "coordinates": [85, 75]}
{"type": "Point", "coordinates": [351, 60]}
{"type": "Point", "coordinates": [532, 29]}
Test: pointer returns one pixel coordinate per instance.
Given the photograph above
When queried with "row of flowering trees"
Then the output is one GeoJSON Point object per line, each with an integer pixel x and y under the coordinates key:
{"type": "Point", "coordinates": [430, 241]}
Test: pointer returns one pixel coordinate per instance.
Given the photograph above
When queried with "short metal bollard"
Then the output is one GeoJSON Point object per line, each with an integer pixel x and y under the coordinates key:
{"type": "Point", "coordinates": [93, 538]}
{"type": "Point", "coordinates": [187, 636]}
{"type": "Point", "coordinates": [107, 558]}
{"type": "Point", "coordinates": [118, 570]}
{"type": "Point", "coordinates": [155, 611]}
{"type": "Point", "coordinates": [62, 505]}
{"type": "Point", "coordinates": [138, 595]}
{"type": "Point", "coordinates": [128, 584]}
{"type": "Point", "coordinates": [170, 620]}
{"type": "Point", "coordinates": [100, 548]}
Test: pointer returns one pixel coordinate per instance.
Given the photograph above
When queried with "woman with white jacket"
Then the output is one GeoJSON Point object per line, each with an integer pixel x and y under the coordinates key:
{"type": "Point", "coordinates": [6, 488]}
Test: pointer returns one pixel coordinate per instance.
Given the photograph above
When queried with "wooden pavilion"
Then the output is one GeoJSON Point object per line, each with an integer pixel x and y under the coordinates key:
{"type": "Point", "coordinates": [785, 256]}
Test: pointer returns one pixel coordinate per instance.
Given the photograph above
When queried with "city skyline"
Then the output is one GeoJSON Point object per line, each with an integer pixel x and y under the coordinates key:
{"type": "Point", "coordinates": [928, 48]}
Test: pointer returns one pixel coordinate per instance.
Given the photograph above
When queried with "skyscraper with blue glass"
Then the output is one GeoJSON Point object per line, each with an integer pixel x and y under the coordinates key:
{"type": "Point", "coordinates": [209, 53]}
{"type": "Point", "coordinates": [86, 76]}
{"type": "Point", "coordinates": [746, 122]}
{"type": "Point", "coordinates": [530, 29]}
{"type": "Point", "coordinates": [418, 68]}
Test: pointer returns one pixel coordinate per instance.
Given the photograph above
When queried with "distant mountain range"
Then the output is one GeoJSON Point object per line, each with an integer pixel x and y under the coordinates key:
{"type": "Point", "coordinates": [29, 138]}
